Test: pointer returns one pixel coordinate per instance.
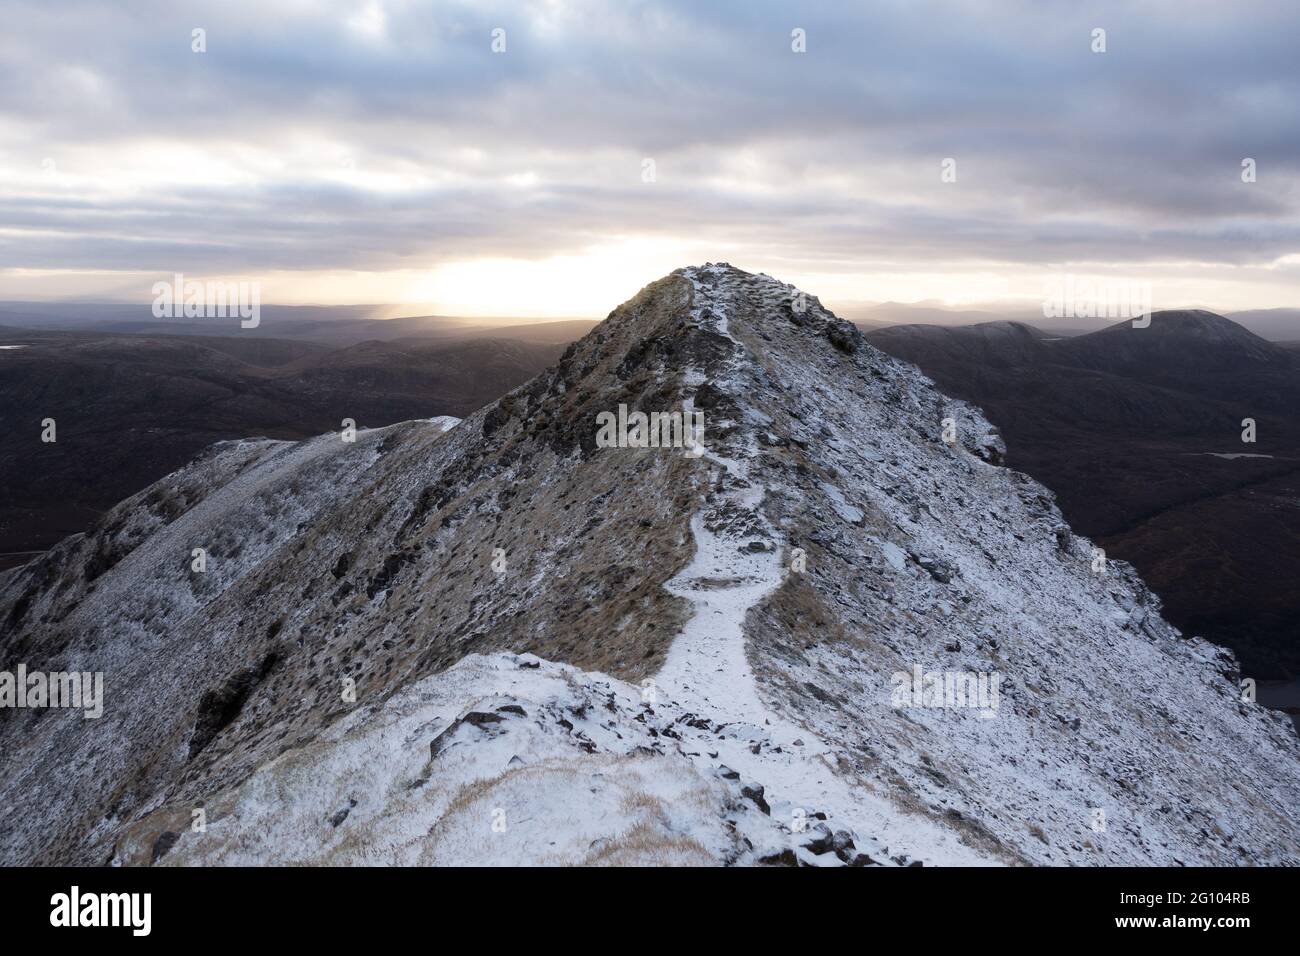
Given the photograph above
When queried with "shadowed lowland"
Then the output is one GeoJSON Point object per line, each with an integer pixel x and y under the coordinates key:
{"type": "Point", "coordinates": [838, 630]}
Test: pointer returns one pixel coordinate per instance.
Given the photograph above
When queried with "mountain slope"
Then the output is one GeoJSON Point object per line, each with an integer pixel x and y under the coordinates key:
{"type": "Point", "coordinates": [1139, 431]}
{"type": "Point", "coordinates": [698, 689]}
{"type": "Point", "coordinates": [132, 408]}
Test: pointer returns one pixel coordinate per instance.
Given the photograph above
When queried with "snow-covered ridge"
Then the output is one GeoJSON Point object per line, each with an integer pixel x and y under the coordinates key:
{"type": "Point", "coordinates": [737, 564]}
{"type": "Point", "coordinates": [768, 592]}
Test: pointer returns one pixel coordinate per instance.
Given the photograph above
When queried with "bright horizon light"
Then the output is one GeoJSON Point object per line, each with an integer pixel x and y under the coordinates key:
{"type": "Point", "coordinates": [591, 284]}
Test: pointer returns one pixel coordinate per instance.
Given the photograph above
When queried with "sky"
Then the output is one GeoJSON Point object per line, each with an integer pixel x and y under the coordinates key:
{"type": "Point", "coordinates": [382, 151]}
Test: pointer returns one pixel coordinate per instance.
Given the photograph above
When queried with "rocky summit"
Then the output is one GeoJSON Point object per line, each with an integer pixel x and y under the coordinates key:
{"type": "Point", "coordinates": [829, 627]}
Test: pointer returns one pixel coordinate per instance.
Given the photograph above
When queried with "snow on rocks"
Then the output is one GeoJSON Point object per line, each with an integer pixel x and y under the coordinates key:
{"type": "Point", "coordinates": [444, 422]}
{"type": "Point", "coordinates": [486, 764]}
{"type": "Point", "coordinates": [848, 512]}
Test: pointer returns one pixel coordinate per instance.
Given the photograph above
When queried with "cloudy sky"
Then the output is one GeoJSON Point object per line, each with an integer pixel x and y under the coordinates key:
{"type": "Point", "coordinates": [381, 151]}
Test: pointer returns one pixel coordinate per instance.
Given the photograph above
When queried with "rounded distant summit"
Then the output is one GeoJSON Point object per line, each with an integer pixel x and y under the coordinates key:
{"type": "Point", "coordinates": [1183, 337]}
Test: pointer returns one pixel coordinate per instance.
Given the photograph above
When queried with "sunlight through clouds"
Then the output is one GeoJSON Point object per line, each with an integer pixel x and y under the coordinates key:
{"type": "Point", "coordinates": [393, 138]}
{"type": "Point", "coordinates": [582, 284]}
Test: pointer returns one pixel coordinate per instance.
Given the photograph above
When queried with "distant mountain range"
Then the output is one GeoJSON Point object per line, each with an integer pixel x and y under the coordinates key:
{"type": "Point", "coordinates": [349, 324]}
{"type": "Point", "coordinates": [1139, 432]}
{"type": "Point", "coordinates": [1277, 325]}
{"type": "Point", "coordinates": [326, 325]}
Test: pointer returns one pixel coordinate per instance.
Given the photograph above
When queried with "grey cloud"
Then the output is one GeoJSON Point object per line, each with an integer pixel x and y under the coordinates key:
{"type": "Point", "coordinates": [1063, 154]}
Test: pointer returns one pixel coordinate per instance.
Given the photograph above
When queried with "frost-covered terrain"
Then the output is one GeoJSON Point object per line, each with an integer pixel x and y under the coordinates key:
{"type": "Point", "coordinates": [494, 642]}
